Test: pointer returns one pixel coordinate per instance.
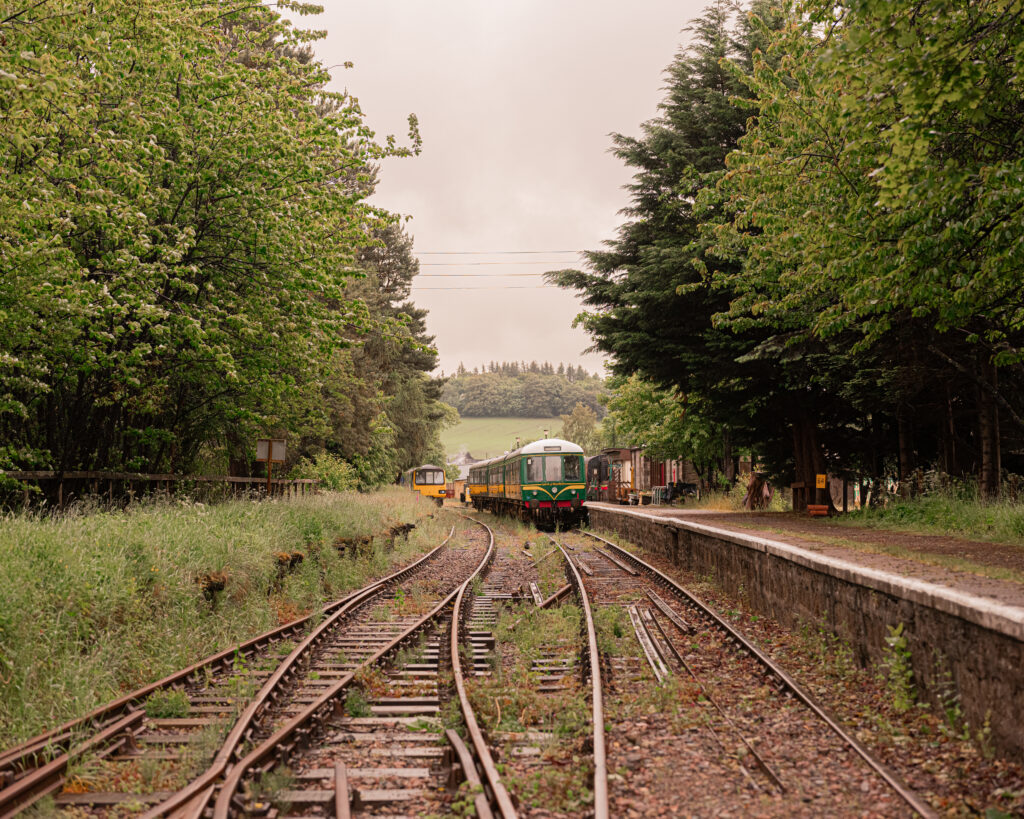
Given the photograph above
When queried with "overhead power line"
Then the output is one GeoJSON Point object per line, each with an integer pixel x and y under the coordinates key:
{"type": "Point", "coordinates": [480, 264]}
{"type": "Point", "coordinates": [487, 287]}
{"type": "Point", "coordinates": [477, 275]}
{"type": "Point", "coordinates": [488, 252]}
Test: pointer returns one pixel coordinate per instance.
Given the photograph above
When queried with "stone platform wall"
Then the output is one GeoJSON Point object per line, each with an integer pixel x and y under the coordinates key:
{"type": "Point", "coordinates": [976, 642]}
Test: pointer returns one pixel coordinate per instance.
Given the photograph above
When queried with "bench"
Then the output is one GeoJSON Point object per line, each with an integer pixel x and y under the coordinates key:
{"type": "Point", "coordinates": [817, 510]}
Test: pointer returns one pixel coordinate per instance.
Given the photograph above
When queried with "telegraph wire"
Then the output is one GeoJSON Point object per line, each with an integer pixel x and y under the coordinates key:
{"type": "Point", "coordinates": [488, 287]}
{"type": "Point", "coordinates": [476, 275]}
{"type": "Point", "coordinates": [481, 264]}
{"type": "Point", "coordinates": [488, 252]}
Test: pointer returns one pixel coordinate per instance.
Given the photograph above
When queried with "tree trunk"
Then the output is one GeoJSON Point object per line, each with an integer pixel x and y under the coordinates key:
{"type": "Point", "coordinates": [948, 437]}
{"type": "Point", "coordinates": [906, 448]}
{"type": "Point", "coordinates": [809, 461]}
{"type": "Point", "coordinates": [727, 460]}
{"type": "Point", "coordinates": [988, 435]}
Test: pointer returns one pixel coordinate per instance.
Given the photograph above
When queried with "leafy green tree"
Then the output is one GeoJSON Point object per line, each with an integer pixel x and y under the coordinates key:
{"type": "Point", "coordinates": [581, 427]}
{"type": "Point", "coordinates": [386, 368]}
{"type": "Point", "coordinates": [652, 296]}
{"type": "Point", "coordinates": [875, 209]}
{"type": "Point", "coordinates": [511, 389]}
{"type": "Point", "coordinates": [163, 177]}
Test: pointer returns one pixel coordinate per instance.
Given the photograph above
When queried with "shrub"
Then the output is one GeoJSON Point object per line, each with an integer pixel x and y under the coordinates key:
{"type": "Point", "coordinates": [332, 472]}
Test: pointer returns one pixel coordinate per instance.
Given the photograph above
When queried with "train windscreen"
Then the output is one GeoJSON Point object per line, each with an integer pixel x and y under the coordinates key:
{"type": "Point", "coordinates": [534, 469]}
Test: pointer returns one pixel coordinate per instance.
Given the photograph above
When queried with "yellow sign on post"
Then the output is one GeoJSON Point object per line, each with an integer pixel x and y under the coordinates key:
{"type": "Point", "coordinates": [820, 481]}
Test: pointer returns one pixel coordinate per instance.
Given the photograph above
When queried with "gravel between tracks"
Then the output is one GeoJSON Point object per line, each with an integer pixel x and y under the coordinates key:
{"type": "Point", "coordinates": [675, 751]}
{"type": "Point", "coordinates": [531, 702]}
{"type": "Point", "coordinates": [947, 765]}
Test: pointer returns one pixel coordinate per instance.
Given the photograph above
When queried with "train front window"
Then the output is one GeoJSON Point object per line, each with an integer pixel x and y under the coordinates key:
{"type": "Point", "coordinates": [571, 467]}
{"type": "Point", "coordinates": [553, 470]}
{"type": "Point", "coordinates": [429, 477]}
{"type": "Point", "coordinates": [534, 469]}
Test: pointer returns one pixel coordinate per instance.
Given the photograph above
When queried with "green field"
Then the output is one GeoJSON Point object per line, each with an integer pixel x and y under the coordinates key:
{"type": "Point", "coordinates": [487, 437]}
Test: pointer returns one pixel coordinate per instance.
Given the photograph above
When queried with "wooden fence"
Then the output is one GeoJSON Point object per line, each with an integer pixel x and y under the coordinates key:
{"type": "Point", "coordinates": [62, 487]}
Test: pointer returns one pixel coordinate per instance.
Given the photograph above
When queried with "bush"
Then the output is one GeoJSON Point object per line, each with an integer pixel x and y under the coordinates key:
{"type": "Point", "coordinates": [332, 472]}
{"type": "Point", "coordinates": [955, 510]}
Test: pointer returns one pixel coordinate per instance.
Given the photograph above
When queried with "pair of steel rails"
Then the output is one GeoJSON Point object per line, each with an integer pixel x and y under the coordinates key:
{"type": "Point", "coordinates": [630, 563]}
{"type": "Point", "coordinates": [36, 768]}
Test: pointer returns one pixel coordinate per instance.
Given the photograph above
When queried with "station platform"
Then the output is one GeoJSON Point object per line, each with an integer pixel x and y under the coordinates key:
{"type": "Point", "coordinates": [960, 602]}
{"type": "Point", "coordinates": [992, 571]}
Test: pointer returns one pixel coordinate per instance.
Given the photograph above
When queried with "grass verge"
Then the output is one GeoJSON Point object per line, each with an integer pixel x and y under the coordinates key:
{"type": "Point", "coordinates": [947, 513]}
{"type": "Point", "coordinates": [95, 605]}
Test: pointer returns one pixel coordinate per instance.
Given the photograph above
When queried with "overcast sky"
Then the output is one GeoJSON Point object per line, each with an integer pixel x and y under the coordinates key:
{"type": "Point", "coordinates": [516, 101]}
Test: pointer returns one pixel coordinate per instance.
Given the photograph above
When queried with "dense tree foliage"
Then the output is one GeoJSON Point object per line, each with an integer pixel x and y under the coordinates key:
{"type": "Point", "coordinates": [523, 390]}
{"type": "Point", "coordinates": [823, 249]}
{"type": "Point", "coordinates": [877, 204]}
{"type": "Point", "coordinates": [385, 413]}
{"type": "Point", "coordinates": [649, 295]}
{"type": "Point", "coordinates": [182, 210]}
{"type": "Point", "coordinates": [581, 427]}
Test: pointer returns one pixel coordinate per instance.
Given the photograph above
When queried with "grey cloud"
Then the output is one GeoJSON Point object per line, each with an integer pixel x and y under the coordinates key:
{"type": "Point", "coordinates": [516, 102]}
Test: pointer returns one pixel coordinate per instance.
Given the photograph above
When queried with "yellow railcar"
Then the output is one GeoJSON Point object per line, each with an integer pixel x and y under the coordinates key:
{"type": "Point", "coordinates": [428, 480]}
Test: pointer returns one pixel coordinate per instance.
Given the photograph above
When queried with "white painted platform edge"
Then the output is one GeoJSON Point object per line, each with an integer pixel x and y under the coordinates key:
{"type": "Point", "coordinates": [995, 616]}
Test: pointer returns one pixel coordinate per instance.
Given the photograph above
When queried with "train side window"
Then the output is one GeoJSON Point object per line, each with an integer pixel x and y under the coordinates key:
{"type": "Point", "coordinates": [571, 467]}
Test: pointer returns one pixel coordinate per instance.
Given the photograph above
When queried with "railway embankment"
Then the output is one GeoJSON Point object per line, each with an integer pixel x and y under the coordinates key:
{"type": "Point", "coordinates": [954, 627]}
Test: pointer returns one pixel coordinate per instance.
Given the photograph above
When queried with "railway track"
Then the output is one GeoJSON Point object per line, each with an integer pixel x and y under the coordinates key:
{"type": "Point", "coordinates": [735, 731]}
{"type": "Point", "coordinates": [536, 686]}
{"type": "Point", "coordinates": [267, 702]}
{"type": "Point", "coordinates": [453, 668]}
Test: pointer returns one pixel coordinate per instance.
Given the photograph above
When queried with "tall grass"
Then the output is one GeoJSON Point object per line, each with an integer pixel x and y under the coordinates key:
{"type": "Point", "coordinates": [954, 511]}
{"type": "Point", "coordinates": [731, 500]}
{"type": "Point", "coordinates": [94, 604]}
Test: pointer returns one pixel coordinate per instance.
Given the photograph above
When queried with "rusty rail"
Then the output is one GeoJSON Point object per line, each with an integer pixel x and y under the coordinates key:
{"type": "Point", "coordinates": [315, 715]}
{"type": "Point", "coordinates": [49, 778]}
{"type": "Point", "coordinates": [905, 793]}
{"type": "Point", "coordinates": [21, 791]}
{"type": "Point", "coordinates": [480, 746]}
{"type": "Point", "coordinates": [197, 793]}
{"type": "Point", "coordinates": [601, 810]}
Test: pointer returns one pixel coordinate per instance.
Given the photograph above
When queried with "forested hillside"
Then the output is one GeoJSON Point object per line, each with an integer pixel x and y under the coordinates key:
{"type": "Point", "coordinates": [189, 259]}
{"type": "Point", "coordinates": [822, 258]}
{"type": "Point", "coordinates": [523, 390]}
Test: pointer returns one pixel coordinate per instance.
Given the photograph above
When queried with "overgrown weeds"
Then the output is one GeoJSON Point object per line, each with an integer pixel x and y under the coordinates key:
{"type": "Point", "coordinates": [356, 704]}
{"type": "Point", "coordinates": [167, 704]}
{"type": "Point", "coordinates": [510, 700]}
{"type": "Point", "coordinates": [615, 635]}
{"type": "Point", "coordinates": [94, 605]}
{"type": "Point", "coordinates": [956, 511]}
{"type": "Point", "coordinates": [899, 672]}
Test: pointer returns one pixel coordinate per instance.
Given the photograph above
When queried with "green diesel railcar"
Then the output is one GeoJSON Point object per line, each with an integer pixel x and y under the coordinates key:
{"type": "Point", "coordinates": [542, 482]}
